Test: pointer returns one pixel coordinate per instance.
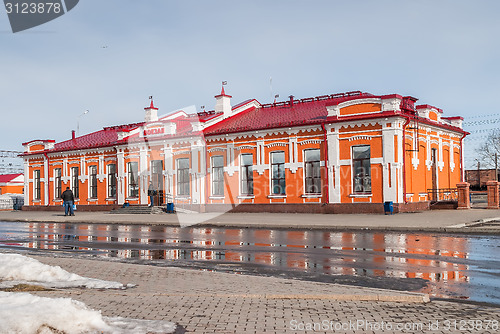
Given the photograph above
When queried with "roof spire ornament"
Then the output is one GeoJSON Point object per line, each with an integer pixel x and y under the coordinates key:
{"type": "Point", "coordinates": [151, 112]}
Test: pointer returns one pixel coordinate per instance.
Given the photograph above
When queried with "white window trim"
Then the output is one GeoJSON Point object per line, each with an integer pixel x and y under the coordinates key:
{"type": "Point", "coordinates": [177, 195]}
{"type": "Point", "coordinates": [304, 173]}
{"type": "Point", "coordinates": [127, 165]}
{"type": "Point", "coordinates": [37, 200]}
{"type": "Point", "coordinates": [55, 184]}
{"type": "Point", "coordinates": [241, 195]}
{"type": "Point", "coordinates": [353, 194]}
{"type": "Point", "coordinates": [271, 195]}
{"type": "Point", "coordinates": [107, 182]}
{"type": "Point", "coordinates": [212, 195]}
{"type": "Point", "coordinates": [89, 186]}
{"type": "Point", "coordinates": [71, 177]}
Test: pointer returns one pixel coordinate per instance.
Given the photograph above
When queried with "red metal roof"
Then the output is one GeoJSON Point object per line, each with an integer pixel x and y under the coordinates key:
{"type": "Point", "coordinates": [8, 177]}
{"type": "Point", "coordinates": [105, 137]}
{"type": "Point", "coordinates": [275, 115]}
{"type": "Point", "coordinates": [282, 114]}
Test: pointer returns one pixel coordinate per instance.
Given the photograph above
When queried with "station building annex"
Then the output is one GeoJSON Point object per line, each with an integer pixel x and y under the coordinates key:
{"type": "Point", "coordinates": [347, 152]}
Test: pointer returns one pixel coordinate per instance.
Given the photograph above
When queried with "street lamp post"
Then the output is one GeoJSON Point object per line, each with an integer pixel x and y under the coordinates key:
{"type": "Point", "coordinates": [78, 122]}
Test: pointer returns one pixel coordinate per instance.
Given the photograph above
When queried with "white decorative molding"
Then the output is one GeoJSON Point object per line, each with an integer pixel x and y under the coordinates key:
{"type": "Point", "coordinates": [359, 138]}
{"type": "Point", "coordinates": [216, 149]}
{"type": "Point", "coordinates": [310, 141]}
{"type": "Point", "coordinates": [245, 147]}
{"type": "Point", "coordinates": [391, 104]}
{"type": "Point", "coordinates": [276, 144]}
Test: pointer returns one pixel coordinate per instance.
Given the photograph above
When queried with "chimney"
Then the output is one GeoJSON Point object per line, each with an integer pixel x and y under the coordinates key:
{"type": "Point", "coordinates": [151, 114]}
{"type": "Point", "coordinates": [223, 103]}
{"type": "Point", "coordinates": [291, 100]}
{"type": "Point", "coordinates": [73, 136]}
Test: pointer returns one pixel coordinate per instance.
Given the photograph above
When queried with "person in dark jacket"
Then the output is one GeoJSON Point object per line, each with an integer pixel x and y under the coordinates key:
{"type": "Point", "coordinates": [68, 200]}
{"type": "Point", "coordinates": [151, 194]}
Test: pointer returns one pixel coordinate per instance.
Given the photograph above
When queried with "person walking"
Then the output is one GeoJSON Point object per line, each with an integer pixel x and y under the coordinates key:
{"type": "Point", "coordinates": [68, 200]}
{"type": "Point", "coordinates": [151, 193]}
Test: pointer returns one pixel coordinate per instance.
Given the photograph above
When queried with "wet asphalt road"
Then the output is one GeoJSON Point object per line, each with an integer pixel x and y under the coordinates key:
{"type": "Point", "coordinates": [445, 266]}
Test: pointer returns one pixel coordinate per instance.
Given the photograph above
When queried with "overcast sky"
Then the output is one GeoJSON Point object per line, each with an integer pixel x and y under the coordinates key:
{"type": "Point", "coordinates": [108, 56]}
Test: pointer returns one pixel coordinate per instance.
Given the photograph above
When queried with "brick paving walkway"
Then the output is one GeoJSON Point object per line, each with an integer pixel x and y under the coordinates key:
{"type": "Point", "coordinates": [210, 302]}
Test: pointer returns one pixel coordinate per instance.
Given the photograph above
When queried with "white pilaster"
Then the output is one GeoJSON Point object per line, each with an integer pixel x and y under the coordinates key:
{"type": "Point", "coordinates": [143, 175]}
{"type": "Point", "coordinates": [333, 166]}
{"type": "Point", "coordinates": [120, 179]}
{"type": "Point", "coordinates": [46, 181]}
{"type": "Point", "coordinates": [168, 172]}
{"type": "Point", "coordinates": [26, 182]}
{"type": "Point", "coordinates": [440, 152]}
{"type": "Point", "coordinates": [260, 167]}
{"type": "Point", "coordinates": [390, 191]}
{"type": "Point", "coordinates": [397, 175]}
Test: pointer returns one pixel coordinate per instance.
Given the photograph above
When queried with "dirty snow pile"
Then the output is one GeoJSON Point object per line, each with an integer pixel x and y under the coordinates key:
{"type": "Point", "coordinates": [16, 269]}
{"type": "Point", "coordinates": [24, 313]}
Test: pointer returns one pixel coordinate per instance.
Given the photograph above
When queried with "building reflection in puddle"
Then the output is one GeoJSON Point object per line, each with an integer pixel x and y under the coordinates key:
{"type": "Point", "coordinates": [441, 259]}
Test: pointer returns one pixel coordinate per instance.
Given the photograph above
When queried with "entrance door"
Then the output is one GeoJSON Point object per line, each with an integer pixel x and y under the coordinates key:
{"type": "Point", "coordinates": [435, 193]}
{"type": "Point", "coordinates": [157, 179]}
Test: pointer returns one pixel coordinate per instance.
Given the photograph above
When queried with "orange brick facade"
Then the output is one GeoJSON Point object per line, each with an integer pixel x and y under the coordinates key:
{"type": "Point", "coordinates": [333, 149]}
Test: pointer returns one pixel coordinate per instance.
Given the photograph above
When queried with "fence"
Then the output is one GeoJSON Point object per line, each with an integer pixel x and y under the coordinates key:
{"type": "Point", "coordinates": [443, 194]}
{"type": "Point", "coordinates": [11, 203]}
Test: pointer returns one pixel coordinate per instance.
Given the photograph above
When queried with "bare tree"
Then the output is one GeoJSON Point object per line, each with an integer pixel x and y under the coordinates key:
{"type": "Point", "coordinates": [489, 151]}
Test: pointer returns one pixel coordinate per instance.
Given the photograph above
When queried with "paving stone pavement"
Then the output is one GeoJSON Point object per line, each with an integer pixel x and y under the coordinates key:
{"type": "Point", "coordinates": [210, 302]}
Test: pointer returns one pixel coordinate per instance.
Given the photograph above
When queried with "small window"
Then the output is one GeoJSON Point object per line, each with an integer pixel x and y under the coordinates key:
{"type": "Point", "coordinates": [92, 181]}
{"type": "Point", "coordinates": [183, 177]}
{"type": "Point", "coordinates": [57, 183]}
{"type": "Point", "coordinates": [111, 181]}
{"type": "Point", "coordinates": [278, 186]}
{"type": "Point", "coordinates": [312, 171]}
{"type": "Point", "coordinates": [36, 185]}
{"type": "Point", "coordinates": [361, 169]}
{"type": "Point", "coordinates": [246, 174]}
{"type": "Point", "coordinates": [218, 175]}
{"type": "Point", "coordinates": [74, 182]}
{"type": "Point", "coordinates": [133, 179]}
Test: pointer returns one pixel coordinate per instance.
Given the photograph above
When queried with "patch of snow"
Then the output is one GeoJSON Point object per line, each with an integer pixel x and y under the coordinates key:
{"type": "Point", "coordinates": [16, 269]}
{"type": "Point", "coordinates": [24, 313]}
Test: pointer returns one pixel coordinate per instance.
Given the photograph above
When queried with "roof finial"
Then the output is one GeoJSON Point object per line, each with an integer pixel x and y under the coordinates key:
{"type": "Point", "coordinates": [222, 92]}
{"type": "Point", "coordinates": [151, 105]}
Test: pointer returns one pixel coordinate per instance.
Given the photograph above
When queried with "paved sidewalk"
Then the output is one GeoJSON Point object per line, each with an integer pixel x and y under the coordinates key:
{"type": "Point", "coordinates": [211, 302]}
{"type": "Point", "coordinates": [461, 221]}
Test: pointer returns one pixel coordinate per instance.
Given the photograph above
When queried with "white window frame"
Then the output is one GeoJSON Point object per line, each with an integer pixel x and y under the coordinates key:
{"type": "Point", "coordinates": [304, 172]}
{"type": "Point", "coordinates": [91, 181]}
{"type": "Point", "coordinates": [107, 181]}
{"type": "Point", "coordinates": [252, 194]}
{"type": "Point", "coordinates": [271, 193]}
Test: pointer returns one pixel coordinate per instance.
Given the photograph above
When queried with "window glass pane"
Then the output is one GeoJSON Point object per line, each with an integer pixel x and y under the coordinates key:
{"type": "Point", "coordinates": [361, 152]}
{"type": "Point", "coordinates": [281, 173]}
{"type": "Point", "coordinates": [218, 161]}
{"type": "Point", "coordinates": [183, 163]}
{"type": "Point", "coordinates": [247, 159]}
{"type": "Point", "coordinates": [278, 157]}
{"type": "Point", "coordinates": [309, 170]}
{"type": "Point", "coordinates": [316, 168]}
{"type": "Point", "coordinates": [312, 155]}
{"type": "Point", "coordinates": [361, 168]}
{"type": "Point", "coordinates": [366, 167]}
{"type": "Point", "coordinates": [275, 169]}
{"type": "Point", "coordinates": [183, 176]}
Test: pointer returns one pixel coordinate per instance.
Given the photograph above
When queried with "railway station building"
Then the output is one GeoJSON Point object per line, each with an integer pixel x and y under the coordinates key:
{"type": "Point", "coordinates": [347, 152]}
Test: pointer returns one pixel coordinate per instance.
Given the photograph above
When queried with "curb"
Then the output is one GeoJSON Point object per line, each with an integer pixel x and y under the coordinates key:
{"type": "Point", "coordinates": [419, 298]}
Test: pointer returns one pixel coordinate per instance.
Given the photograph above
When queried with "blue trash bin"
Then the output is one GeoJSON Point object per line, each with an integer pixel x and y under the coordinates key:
{"type": "Point", "coordinates": [170, 207]}
{"type": "Point", "coordinates": [388, 207]}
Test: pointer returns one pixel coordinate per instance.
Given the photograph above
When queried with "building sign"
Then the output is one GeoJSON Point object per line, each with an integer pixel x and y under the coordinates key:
{"type": "Point", "coordinates": [154, 131]}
